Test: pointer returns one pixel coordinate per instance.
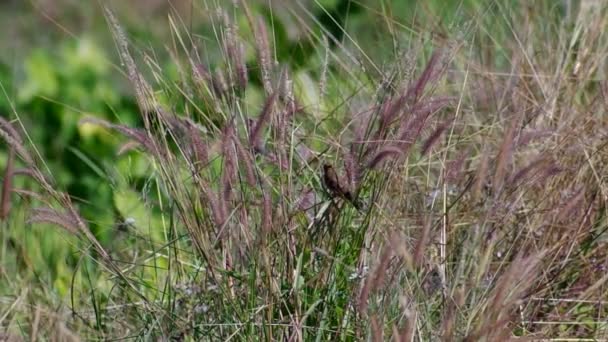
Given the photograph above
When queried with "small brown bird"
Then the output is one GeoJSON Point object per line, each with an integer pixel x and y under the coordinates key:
{"type": "Point", "coordinates": [334, 186]}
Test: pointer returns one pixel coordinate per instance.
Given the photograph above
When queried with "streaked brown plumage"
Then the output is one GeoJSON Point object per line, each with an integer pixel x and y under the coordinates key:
{"type": "Point", "coordinates": [334, 186]}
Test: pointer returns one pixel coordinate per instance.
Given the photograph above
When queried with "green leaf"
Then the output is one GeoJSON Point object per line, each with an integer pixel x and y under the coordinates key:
{"type": "Point", "coordinates": [133, 209]}
{"type": "Point", "coordinates": [41, 77]}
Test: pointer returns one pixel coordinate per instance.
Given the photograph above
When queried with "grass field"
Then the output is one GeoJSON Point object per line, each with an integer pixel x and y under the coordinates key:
{"type": "Point", "coordinates": [311, 170]}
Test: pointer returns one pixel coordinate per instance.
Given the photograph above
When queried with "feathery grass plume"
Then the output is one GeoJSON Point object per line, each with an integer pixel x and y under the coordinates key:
{"type": "Point", "coordinates": [454, 167]}
{"type": "Point", "coordinates": [143, 91]}
{"type": "Point", "coordinates": [173, 121]}
{"type": "Point", "coordinates": [7, 186]}
{"type": "Point", "coordinates": [529, 136]}
{"type": "Point", "coordinates": [14, 141]}
{"type": "Point", "coordinates": [429, 74]}
{"type": "Point", "coordinates": [216, 205]}
{"type": "Point", "coordinates": [128, 146]}
{"type": "Point", "coordinates": [383, 154]}
{"type": "Point", "coordinates": [229, 172]}
{"type": "Point", "coordinates": [52, 216]}
{"type": "Point", "coordinates": [210, 89]}
{"type": "Point", "coordinates": [265, 117]}
{"type": "Point", "coordinates": [410, 130]}
{"type": "Point", "coordinates": [364, 296]}
{"type": "Point", "coordinates": [244, 223]}
{"type": "Point", "coordinates": [361, 122]}
{"type": "Point", "coordinates": [190, 136]}
{"type": "Point", "coordinates": [389, 111]}
{"type": "Point", "coordinates": [407, 333]}
{"type": "Point", "coordinates": [422, 243]}
{"type": "Point", "coordinates": [264, 55]}
{"type": "Point", "coordinates": [537, 163]}
{"type": "Point", "coordinates": [200, 154]}
{"type": "Point", "coordinates": [510, 287]}
{"type": "Point", "coordinates": [305, 153]}
{"type": "Point", "coordinates": [491, 332]}
{"type": "Point", "coordinates": [30, 194]}
{"type": "Point", "coordinates": [306, 203]}
{"type": "Point", "coordinates": [220, 86]}
{"type": "Point", "coordinates": [19, 148]}
{"type": "Point", "coordinates": [353, 172]}
{"type": "Point", "coordinates": [284, 117]}
{"type": "Point", "coordinates": [265, 58]}
{"type": "Point", "coordinates": [36, 175]}
{"type": "Point", "coordinates": [246, 159]}
{"type": "Point", "coordinates": [275, 159]}
{"type": "Point", "coordinates": [266, 212]}
{"type": "Point", "coordinates": [377, 329]}
{"type": "Point", "coordinates": [396, 336]}
{"type": "Point", "coordinates": [544, 172]}
{"type": "Point", "coordinates": [306, 199]}
{"type": "Point", "coordinates": [412, 95]}
{"type": "Point", "coordinates": [571, 205]}
{"type": "Point", "coordinates": [480, 176]}
{"type": "Point", "coordinates": [432, 105]}
{"type": "Point", "coordinates": [434, 137]}
{"type": "Point", "coordinates": [201, 74]}
{"type": "Point", "coordinates": [8, 127]}
{"type": "Point", "coordinates": [233, 49]}
{"type": "Point", "coordinates": [505, 153]}
{"type": "Point", "coordinates": [139, 135]}
{"type": "Point", "coordinates": [550, 171]}
{"type": "Point", "coordinates": [448, 321]}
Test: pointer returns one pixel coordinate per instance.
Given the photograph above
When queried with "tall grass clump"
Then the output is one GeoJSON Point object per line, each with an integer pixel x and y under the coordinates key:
{"type": "Point", "coordinates": [475, 178]}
